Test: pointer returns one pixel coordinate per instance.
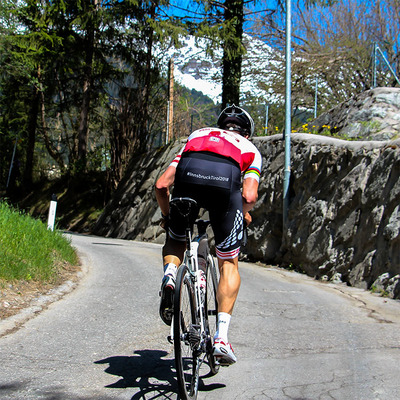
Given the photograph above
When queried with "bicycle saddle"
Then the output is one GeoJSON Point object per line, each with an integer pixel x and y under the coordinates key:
{"type": "Point", "coordinates": [186, 207]}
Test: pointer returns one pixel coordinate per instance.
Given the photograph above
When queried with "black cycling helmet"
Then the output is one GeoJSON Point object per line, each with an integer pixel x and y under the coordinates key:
{"type": "Point", "coordinates": [236, 116]}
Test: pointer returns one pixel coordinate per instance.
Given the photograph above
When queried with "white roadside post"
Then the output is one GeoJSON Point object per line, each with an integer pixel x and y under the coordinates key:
{"type": "Point", "coordinates": [52, 213]}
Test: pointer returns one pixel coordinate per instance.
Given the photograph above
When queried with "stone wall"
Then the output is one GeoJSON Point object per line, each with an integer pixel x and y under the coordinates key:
{"type": "Point", "coordinates": [344, 211]}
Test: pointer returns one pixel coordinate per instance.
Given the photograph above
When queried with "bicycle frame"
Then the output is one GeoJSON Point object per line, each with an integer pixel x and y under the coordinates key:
{"type": "Point", "coordinates": [191, 261]}
{"type": "Point", "coordinates": [190, 328]}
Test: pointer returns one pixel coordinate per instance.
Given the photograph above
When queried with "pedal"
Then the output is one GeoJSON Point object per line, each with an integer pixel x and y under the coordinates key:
{"type": "Point", "coordinates": [221, 364]}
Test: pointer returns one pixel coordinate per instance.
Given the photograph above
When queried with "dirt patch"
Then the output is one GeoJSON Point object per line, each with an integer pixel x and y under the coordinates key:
{"type": "Point", "coordinates": [18, 295]}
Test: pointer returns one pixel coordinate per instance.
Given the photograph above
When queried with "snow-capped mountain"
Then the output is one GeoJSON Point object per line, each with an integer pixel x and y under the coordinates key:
{"type": "Point", "coordinates": [195, 69]}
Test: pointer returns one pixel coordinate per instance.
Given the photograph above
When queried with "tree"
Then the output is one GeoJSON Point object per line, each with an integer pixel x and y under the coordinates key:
{"type": "Point", "coordinates": [136, 98]}
{"type": "Point", "coordinates": [332, 41]}
{"type": "Point", "coordinates": [384, 25]}
{"type": "Point", "coordinates": [233, 50]}
{"type": "Point", "coordinates": [64, 63]}
{"type": "Point", "coordinates": [25, 53]}
{"type": "Point", "coordinates": [90, 27]}
{"type": "Point", "coordinates": [222, 24]}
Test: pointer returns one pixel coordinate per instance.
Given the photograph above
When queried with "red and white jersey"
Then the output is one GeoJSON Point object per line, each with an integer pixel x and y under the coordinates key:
{"type": "Point", "coordinates": [229, 144]}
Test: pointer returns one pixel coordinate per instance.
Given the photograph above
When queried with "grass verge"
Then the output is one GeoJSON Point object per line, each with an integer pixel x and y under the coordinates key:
{"type": "Point", "coordinates": [28, 249]}
{"type": "Point", "coordinates": [32, 258]}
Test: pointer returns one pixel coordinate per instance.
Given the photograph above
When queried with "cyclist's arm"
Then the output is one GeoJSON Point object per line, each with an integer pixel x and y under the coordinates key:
{"type": "Point", "coordinates": [162, 189]}
{"type": "Point", "coordinates": [251, 181]}
{"type": "Point", "coordinates": [164, 183]}
{"type": "Point", "coordinates": [249, 197]}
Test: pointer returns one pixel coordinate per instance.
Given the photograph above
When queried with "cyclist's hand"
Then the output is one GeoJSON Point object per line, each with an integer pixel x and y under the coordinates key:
{"type": "Point", "coordinates": [247, 219]}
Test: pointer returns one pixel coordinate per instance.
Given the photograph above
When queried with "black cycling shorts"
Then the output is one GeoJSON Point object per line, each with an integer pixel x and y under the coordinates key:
{"type": "Point", "coordinates": [214, 182]}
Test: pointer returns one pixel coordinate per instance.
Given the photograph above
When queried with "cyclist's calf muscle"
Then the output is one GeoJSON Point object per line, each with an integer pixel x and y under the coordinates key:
{"type": "Point", "coordinates": [173, 251]}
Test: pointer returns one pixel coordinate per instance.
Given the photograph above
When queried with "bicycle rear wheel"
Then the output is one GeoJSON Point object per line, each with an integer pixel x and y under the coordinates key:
{"type": "Point", "coordinates": [211, 307]}
{"type": "Point", "coordinates": [186, 336]}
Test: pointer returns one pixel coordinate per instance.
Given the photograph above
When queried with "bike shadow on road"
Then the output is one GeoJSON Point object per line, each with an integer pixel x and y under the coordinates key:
{"type": "Point", "coordinates": [150, 372]}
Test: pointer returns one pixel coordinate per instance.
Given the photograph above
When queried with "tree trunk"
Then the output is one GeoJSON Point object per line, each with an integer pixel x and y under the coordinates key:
{"type": "Point", "coordinates": [142, 133]}
{"type": "Point", "coordinates": [84, 115]}
{"type": "Point", "coordinates": [30, 150]}
{"type": "Point", "coordinates": [57, 157]}
{"type": "Point", "coordinates": [232, 54]}
{"type": "Point", "coordinates": [83, 129]}
{"type": "Point", "coordinates": [122, 143]}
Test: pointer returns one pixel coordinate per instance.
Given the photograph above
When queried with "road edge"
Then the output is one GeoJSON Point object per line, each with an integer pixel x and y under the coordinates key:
{"type": "Point", "coordinates": [15, 322]}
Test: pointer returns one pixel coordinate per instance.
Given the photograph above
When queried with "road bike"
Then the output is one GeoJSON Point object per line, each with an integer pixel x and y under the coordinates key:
{"type": "Point", "coordinates": [195, 306]}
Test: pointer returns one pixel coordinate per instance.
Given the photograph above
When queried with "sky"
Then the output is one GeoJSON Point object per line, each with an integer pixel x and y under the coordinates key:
{"type": "Point", "coordinates": [189, 8]}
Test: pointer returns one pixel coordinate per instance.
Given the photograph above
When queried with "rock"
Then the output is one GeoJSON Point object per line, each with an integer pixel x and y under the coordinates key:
{"type": "Point", "coordinates": [336, 278]}
{"type": "Point", "coordinates": [380, 284]}
{"type": "Point", "coordinates": [372, 115]}
{"type": "Point", "coordinates": [393, 287]}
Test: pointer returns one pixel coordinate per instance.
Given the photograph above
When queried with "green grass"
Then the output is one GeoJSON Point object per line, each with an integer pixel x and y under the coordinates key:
{"type": "Point", "coordinates": [28, 250]}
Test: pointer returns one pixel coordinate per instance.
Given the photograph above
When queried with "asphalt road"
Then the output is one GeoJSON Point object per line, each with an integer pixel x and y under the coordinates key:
{"type": "Point", "coordinates": [295, 338]}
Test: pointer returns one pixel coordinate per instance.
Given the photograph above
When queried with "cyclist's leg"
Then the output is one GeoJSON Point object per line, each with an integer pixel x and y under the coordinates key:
{"type": "Point", "coordinates": [228, 229]}
{"type": "Point", "coordinates": [228, 234]}
{"type": "Point", "coordinates": [172, 259]}
{"type": "Point", "coordinates": [228, 288]}
{"type": "Point", "coordinates": [173, 251]}
{"type": "Point", "coordinates": [229, 284]}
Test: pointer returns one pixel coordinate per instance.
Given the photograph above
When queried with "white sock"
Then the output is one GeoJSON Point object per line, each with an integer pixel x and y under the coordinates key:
{"type": "Point", "coordinates": [170, 269]}
{"type": "Point", "coordinates": [223, 325]}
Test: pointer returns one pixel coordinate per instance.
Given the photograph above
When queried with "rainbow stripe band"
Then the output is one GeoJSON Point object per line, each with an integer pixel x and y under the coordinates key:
{"type": "Point", "coordinates": [253, 170]}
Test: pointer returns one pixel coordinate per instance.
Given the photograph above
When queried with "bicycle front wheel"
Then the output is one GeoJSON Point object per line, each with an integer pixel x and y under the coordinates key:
{"type": "Point", "coordinates": [186, 335]}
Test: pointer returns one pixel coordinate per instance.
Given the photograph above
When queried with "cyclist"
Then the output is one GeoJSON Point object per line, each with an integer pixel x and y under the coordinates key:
{"type": "Point", "coordinates": [208, 169]}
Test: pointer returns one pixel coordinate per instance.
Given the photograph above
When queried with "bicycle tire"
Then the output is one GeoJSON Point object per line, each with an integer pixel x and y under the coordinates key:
{"type": "Point", "coordinates": [185, 325]}
{"type": "Point", "coordinates": [211, 313]}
